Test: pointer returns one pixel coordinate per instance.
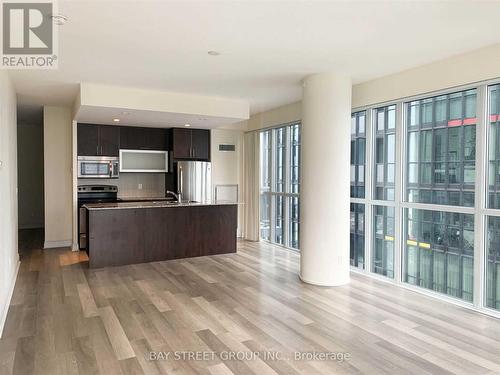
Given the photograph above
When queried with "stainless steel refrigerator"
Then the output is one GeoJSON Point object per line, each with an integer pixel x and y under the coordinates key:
{"type": "Point", "coordinates": [194, 180]}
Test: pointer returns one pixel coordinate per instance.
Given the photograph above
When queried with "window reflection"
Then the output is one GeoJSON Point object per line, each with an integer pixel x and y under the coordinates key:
{"type": "Point", "coordinates": [441, 158]}
{"type": "Point", "coordinates": [358, 145]}
{"type": "Point", "coordinates": [439, 252]}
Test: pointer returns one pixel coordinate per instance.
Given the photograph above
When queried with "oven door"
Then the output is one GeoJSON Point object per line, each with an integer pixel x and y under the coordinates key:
{"type": "Point", "coordinates": [82, 230]}
{"type": "Point", "coordinates": [92, 168]}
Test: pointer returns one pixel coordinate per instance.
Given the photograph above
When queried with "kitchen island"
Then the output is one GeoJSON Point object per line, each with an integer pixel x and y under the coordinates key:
{"type": "Point", "coordinates": [124, 233]}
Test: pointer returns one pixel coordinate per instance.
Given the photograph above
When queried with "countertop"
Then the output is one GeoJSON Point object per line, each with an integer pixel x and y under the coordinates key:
{"type": "Point", "coordinates": [145, 199]}
{"type": "Point", "coordinates": [153, 204]}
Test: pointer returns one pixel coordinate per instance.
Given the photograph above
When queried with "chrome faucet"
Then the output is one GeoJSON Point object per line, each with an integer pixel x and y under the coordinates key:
{"type": "Point", "coordinates": [177, 196]}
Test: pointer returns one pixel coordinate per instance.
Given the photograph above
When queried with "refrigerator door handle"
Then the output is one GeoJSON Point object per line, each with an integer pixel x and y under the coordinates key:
{"type": "Point", "coordinates": [180, 181]}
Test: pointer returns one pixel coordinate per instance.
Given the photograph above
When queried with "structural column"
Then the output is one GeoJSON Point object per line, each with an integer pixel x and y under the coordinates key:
{"type": "Point", "coordinates": [325, 186]}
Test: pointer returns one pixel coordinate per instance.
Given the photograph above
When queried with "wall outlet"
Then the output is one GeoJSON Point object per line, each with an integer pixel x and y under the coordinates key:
{"type": "Point", "coordinates": [139, 186]}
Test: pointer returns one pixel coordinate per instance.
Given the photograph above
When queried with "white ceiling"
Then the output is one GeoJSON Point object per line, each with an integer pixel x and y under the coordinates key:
{"type": "Point", "coordinates": [156, 119]}
{"type": "Point", "coordinates": [266, 47]}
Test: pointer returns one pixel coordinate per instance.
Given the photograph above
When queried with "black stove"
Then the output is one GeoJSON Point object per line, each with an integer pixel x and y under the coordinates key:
{"type": "Point", "coordinates": [92, 194]}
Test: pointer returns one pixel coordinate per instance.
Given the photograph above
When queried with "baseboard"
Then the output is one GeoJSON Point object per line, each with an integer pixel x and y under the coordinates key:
{"type": "Point", "coordinates": [54, 244]}
{"type": "Point", "coordinates": [5, 309]}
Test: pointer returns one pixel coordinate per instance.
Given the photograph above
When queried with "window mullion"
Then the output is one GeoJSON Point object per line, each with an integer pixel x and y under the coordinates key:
{"type": "Point", "coordinates": [398, 191]}
{"type": "Point", "coordinates": [272, 217]}
{"type": "Point", "coordinates": [369, 186]}
{"type": "Point", "coordinates": [480, 196]}
{"type": "Point", "coordinates": [287, 188]}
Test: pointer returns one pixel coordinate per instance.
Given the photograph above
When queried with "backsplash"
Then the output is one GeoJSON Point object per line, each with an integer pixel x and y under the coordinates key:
{"type": "Point", "coordinates": [153, 184]}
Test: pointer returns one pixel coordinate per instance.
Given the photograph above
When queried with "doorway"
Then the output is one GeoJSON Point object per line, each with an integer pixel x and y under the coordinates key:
{"type": "Point", "coordinates": [30, 178]}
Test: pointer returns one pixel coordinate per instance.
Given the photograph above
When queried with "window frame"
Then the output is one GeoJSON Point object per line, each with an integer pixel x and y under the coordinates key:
{"type": "Point", "coordinates": [286, 194]}
{"type": "Point", "coordinates": [480, 211]}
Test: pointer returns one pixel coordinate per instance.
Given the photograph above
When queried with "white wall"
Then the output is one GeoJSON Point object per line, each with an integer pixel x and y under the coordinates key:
{"type": "Point", "coordinates": [94, 96]}
{"type": "Point", "coordinates": [58, 186]}
{"type": "Point", "coordinates": [9, 258]}
{"type": "Point", "coordinates": [277, 116]}
{"type": "Point", "coordinates": [227, 167]}
{"type": "Point", "coordinates": [475, 66]}
{"type": "Point", "coordinates": [30, 174]}
{"type": "Point", "coordinates": [471, 67]}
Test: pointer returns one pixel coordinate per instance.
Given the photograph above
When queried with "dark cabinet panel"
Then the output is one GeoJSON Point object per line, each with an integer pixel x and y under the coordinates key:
{"type": "Point", "coordinates": [87, 140]}
{"type": "Point", "coordinates": [191, 144]}
{"type": "Point", "coordinates": [137, 138]}
{"type": "Point", "coordinates": [200, 143]}
{"type": "Point", "coordinates": [98, 140]}
{"type": "Point", "coordinates": [131, 138]}
{"type": "Point", "coordinates": [182, 143]}
{"type": "Point", "coordinates": [109, 140]}
{"type": "Point", "coordinates": [128, 236]}
{"type": "Point", "coordinates": [115, 238]}
{"type": "Point", "coordinates": [156, 139]}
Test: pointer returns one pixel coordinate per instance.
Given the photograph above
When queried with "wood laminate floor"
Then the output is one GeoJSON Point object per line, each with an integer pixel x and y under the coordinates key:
{"type": "Point", "coordinates": [67, 319]}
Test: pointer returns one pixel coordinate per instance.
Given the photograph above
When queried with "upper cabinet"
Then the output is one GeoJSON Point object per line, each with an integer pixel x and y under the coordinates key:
{"type": "Point", "coordinates": [191, 144]}
{"type": "Point", "coordinates": [136, 138]}
{"type": "Point", "coordinates": [98, 140]}
{"type": "Point", "coordinates": [107, 140]}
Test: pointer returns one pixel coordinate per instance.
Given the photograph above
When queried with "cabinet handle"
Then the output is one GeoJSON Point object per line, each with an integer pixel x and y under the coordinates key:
{"type": "Point", "coordinates": [97, 150]}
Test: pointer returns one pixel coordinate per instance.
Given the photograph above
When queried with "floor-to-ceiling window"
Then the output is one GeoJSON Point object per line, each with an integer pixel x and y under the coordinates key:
{"type": "Point", "coordinates": [358, 235]}
{"type": "Point", "coordinates": [425, 193]}
{"type": "Point", "coordinates": [384, 190]}
{"type": "Point", "coordinates": [441, 154]}
{"type": "Point", "coordinates": [265, 184]}
{"type": "Point", "coordinates": [439, 251]}
{"type": "Point", "coordinates": [441, 164]}
{"type": "Point", "coordinates": [280, 185]}
{"type": "Point", "coordinates": [383, 244]}
{"type": "Point", "coordinates": [492, 251]}
{"type": "Point", "coordinates": [493, 264]}
{"type": "Point", "coordinates": [358, 174]}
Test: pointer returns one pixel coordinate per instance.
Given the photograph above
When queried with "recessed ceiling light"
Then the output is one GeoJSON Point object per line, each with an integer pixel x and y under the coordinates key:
{"type": "Point", "coordinates": [187, 125]}
{"type": "Point", "coordinates": [59, 19]}
{"type": "Point", "coordinates": [124, 113]}
{"type": "Point", "coordinates": [116, 120]}
{"type": "Point", "coordinates": [213, 53]}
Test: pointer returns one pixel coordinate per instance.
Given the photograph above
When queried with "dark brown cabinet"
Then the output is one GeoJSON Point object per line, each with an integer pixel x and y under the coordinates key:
{"type": "Point", "coordinates": [109, 140]}
{"type": "Point", "coordinates": [200, 142]}
{"type": "Point", "coordinates": [182, 143]}
{"type": "Point", "coordinates": [88, 140]}
{"type": "Point", "coordinates": [137, 138]}
{"type": "Point", "coordinates": [191, 144]}
{"type": "Point", "coordinates": [137, 235]}
{"type": "Point", "coordinates": [98, 140]}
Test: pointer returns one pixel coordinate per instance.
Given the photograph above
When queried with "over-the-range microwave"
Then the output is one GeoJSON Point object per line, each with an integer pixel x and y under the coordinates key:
{"type": "Point", "coordinates": [98, 167]}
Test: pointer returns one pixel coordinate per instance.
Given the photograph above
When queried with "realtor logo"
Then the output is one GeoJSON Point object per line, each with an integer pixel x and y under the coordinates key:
{"type": "Point", "coordinates": [28, 35]}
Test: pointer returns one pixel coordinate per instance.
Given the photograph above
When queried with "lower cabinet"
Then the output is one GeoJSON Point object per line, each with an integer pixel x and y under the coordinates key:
{"type": "Point", "coordinates": [119, 237]}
